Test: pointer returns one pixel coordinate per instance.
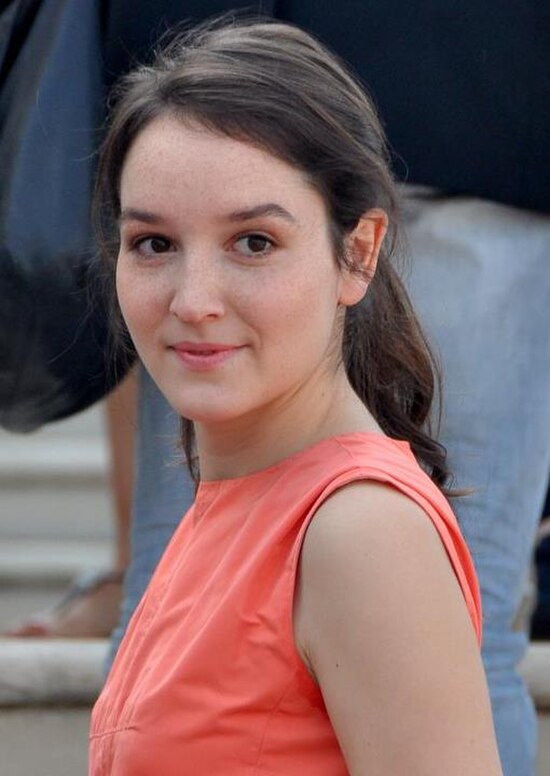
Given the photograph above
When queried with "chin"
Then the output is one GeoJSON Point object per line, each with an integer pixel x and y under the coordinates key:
{"type": "Point", "coordinates": [206, 412]}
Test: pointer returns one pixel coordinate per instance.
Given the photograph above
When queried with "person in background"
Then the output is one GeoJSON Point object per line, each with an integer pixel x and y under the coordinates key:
{"type": "Point", "coordinates": [91, 608]}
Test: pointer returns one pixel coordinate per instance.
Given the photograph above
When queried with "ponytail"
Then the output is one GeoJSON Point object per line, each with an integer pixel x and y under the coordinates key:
{"type": "Point", "coordinates": [391, 368]}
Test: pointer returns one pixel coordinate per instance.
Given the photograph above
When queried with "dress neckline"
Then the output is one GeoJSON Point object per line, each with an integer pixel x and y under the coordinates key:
{"type": "Point", "coordinates": [206, 486]}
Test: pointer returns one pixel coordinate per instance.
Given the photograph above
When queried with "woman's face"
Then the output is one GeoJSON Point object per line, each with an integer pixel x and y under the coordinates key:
{"type": "Point", "coordinates": [226, 275]}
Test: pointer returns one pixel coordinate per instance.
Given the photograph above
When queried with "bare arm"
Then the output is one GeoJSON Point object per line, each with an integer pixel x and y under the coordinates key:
{"type": "Point", "coordinates": [381, 621]}
{"type": "Point", "coordinates": [121, 412]}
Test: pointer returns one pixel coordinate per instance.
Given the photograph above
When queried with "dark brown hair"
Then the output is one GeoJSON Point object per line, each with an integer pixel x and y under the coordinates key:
{"type": "Point", "coordinates": [278, 88]}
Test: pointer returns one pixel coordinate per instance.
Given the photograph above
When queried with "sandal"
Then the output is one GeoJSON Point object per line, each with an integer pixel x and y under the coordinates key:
{"type": "Point", "coordinates": [89, 609]}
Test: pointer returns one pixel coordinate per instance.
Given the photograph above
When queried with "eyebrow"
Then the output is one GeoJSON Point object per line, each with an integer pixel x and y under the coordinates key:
{"type": "Point", "coordinates": [133, 214]}
{"type": "Point", "coordinates": [265, 209]}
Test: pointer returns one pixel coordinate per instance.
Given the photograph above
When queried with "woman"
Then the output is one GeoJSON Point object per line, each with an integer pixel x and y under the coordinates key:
{"type": "Point", "coordinates": [317, 609]}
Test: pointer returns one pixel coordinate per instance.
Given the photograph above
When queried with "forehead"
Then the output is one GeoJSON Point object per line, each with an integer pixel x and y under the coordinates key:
{"type": "Point", "coordinates": [173, 159]}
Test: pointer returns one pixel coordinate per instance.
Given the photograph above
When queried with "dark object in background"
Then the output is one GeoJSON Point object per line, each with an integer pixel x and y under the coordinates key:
{"type": "Point", "coordinates": [475, 75]}
{"type": "Point", "coordinates": [540, 622]}
{"type": "Point", "coordinates": [55, 357]}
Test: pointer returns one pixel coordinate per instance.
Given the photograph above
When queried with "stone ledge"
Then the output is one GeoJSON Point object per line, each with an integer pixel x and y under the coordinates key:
{"type": "Point", "coordinates": [25, 460]}
{"type": "Point", "coordinates": [535, 669]}
{"type": "Point", "coordinates": [39, 673]}
{"type": "Point", "coordinates": [30, 562]}
{"type": "Point", "coordinates": [36, 672]}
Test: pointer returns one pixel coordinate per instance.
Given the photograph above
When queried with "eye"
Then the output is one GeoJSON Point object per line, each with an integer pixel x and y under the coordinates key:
{"type": "Point", "coordinates": [254, 244]}
{"type": "Point", "coordinates": [152, 246]}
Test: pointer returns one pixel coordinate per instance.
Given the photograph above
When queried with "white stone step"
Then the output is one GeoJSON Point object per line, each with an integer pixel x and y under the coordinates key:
{"type": "Point", "coordinates": [47, 671]}
{"type": "Point", "coordinates": [68, 448]}
{"type": "Point", "coordinates": [54, 482]}
{"type": "Point", "coordinates": [50, 512]}
{"type": "Point", "coordinates": [24, 459]}
{"type": "Point", "coordinates": [44, 741]}
{"type": "Point", "coordinates": [535, 669]}
{"type": "Point", "coordinates": [34, 562]}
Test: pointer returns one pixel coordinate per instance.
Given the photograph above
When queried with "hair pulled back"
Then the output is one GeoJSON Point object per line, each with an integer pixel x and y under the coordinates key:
{"type": "Point", "coordinates": [277, 87]}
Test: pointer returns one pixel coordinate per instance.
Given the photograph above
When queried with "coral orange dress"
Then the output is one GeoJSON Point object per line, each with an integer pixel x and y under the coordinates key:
{"type": "Point", "coordinates": [208, 680]}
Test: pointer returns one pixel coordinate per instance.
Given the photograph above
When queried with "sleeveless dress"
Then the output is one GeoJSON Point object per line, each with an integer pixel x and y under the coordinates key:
{"type": "Point", "coordinates": [208, 680]}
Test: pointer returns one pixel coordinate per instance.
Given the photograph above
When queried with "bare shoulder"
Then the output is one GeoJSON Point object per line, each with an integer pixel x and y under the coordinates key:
{"type": "Point", "coordinates": [372, 523]}
{"type": "Point", "coordinates": [372, 556]}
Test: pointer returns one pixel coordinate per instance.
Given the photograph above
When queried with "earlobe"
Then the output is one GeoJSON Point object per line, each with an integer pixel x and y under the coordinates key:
{"type": "Point", "coordinates": [353, 288]}
{"type": "Point", "coordinates": [363, 248]}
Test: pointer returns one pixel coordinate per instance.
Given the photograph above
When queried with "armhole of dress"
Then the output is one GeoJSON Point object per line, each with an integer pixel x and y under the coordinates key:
{"type": "Point", "coordinates": [461, 562]}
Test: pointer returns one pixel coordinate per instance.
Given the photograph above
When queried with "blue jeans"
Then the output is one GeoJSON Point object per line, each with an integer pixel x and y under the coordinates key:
{"type": "Point", "coordinates": [480, 283]}
{"type": "Point", "coordinates": [162, 495]}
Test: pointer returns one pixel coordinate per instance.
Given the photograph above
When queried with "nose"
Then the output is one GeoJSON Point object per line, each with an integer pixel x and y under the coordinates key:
{"type": "Point", "coordinates": [197, 289]}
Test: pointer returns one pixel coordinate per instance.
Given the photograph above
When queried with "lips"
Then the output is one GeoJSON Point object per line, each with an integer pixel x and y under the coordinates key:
{"type": "Point", "coordinates": [204, 355]}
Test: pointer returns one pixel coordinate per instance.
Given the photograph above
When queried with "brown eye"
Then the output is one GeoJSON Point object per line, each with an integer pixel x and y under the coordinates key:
{"type": "Point", "coordinates": [152, 246]}
{"type": "Point", "coordinates": [159, 244]}
{"type": "Point", "coordinates": [254, 244]}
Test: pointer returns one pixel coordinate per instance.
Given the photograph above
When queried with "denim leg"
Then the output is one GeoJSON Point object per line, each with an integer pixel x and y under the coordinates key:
{"type": "Point", "coordinates": [480, 281]}
{"type": "Point", "coordinates": [163, 493]}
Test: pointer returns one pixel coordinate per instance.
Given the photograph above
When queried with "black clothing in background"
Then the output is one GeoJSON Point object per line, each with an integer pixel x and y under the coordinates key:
{"type": "Point", "coordinates": [132, 30]}
{"type": "Point", "coordinates": [463, 86]}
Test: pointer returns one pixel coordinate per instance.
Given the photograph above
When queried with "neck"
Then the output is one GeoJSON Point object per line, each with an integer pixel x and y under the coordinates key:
{"type": "Point", "coordinates": [255, 442]}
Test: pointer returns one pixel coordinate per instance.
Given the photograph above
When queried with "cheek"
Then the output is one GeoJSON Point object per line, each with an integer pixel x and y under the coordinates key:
{"type": "Point", "coordinates": [138, 301]}
{"type": "Point", "coordinates": [299, 314]}
{"type": "Point", "coordinates": [125, 295]}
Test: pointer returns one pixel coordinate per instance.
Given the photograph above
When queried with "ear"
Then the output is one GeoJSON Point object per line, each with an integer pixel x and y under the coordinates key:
{"type": "Point", "coordinates": [363, 247]}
